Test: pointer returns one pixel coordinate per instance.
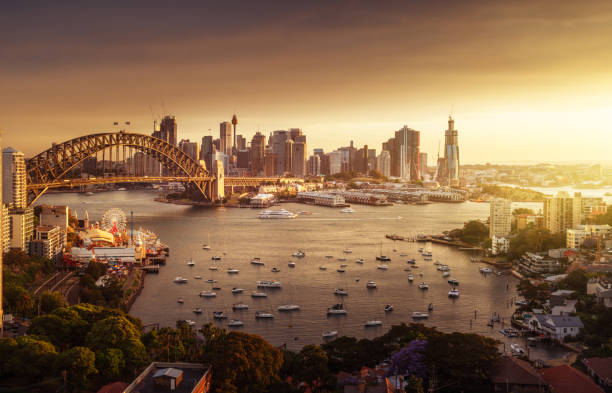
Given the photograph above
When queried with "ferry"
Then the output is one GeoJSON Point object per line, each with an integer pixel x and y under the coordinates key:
{"type": "Point", "coordinates": [275, 214]}
{"type": "Point", "coordinates": [263, 315]}
{"type": "Point", "coordinates": [240, 306]}
{"type": "Point", "coordinates": [180, 280]}
{"type": "Point", "coordinates": [337, 309]}
{"type": "Point", "coordinates": [268, 284]}
{"type": "Point", "coordinates": [256, 261]}
{"type": "Point", "coordinates": [289, 307]}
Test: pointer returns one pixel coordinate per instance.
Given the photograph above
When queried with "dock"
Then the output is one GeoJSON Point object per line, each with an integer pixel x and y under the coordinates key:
{"type": "Point", "coordinates": [151, 269]}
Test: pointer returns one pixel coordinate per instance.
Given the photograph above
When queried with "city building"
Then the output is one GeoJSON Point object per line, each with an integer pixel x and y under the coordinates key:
{"type": "Point", "coordinates": [499, 245]}
{"type": "Point", "coordinates": [234, 124]}
{"type": "Point", "coordinates": [561, 212]}
{"type": "Point", "coordinates": [423, 160]}
{"type": "Point", "coordinates": [243, 159]}
{"type": "Point", "coordinates": [47, 243]}
{"type": "Point", "coordinates": [207, 150]}
{"type": "Point", "coordinates": [258, 148]}
{"type": "Point", "coordinates": [139, 162]}
{"type": "Point", "coordinates": [539, 264]}
{"type": "Point", "coordinates": [192, 149]}
{"type": "Point", "coordinates": [500, 218]}
{"type": "Point", "coordinates": [168, 130]}
{"type": "Point", "coordinates": [225, 138]}
{"type": "Point", "coordinates": [405, 154]}
{"type": "Point", "coordinates": [241, 143]}
{"type": "Point", "coordinates": [172, 377]}
{"type": "Point", "coordinates": [270, 164]}
{"type": "Point", "coordinates": [383, 163]}
{"type": "Point", "coordinates": [335, 162]}
{"type": "Point", "coordinates": [448, 173]}
{"type": "Point", "coordinates": [277, 142]}
{"type": "Point", "coordinates": [321, 198]}
{"type": "Point", "coordinates": [524, 220]}
{"type": "Point", "coordinates": [14, 192]}
{"type": "Point", "coordinates": [21, 223]}
{"type": "Point", "coordinates": [576, 236]}
{"type": "Point", "coordinates": [55, 216]}
{"type": "Point", "coordinates": [557, 327]}
{"type": "Point", "coordinates": [314, 165]}
{"type": "Point", "coordinates": [298, 158]}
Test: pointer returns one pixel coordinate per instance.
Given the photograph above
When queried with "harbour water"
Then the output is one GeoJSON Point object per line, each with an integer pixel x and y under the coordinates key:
{"type": "Point", "coordinates": [237, 235]}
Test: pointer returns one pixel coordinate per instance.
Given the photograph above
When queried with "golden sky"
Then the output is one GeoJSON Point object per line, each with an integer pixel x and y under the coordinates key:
{"type": "Point", "coordinates": [525, 80]}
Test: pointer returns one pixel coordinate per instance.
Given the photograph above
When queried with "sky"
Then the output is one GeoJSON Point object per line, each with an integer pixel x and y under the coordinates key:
{"type": "Point", "coordinates": [524, 80]}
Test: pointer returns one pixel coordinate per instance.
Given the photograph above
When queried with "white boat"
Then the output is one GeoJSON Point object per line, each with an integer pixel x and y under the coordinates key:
{"type": "Point", "coordinates": [208, 294]}
{"type": "Point", "coordinates": [420, 249]}
{"type": "Point", "coordinates": [322, 268]}
{"type": "Point", "coordinates": [197, 277]}
{"type": "Point", "coordinates": [276, 214]}
{"type": "Point", "coordinates": [382, 267]}
{"type": "Point", "coordinates": [344, 265]}
{"type": "Point", "coordinates": [197, 310]}
{"type": "Point", "coordinates": [291, 264]}
{"type": "Point", "coordinates": [403, 254]}
{"type": "Point", "coordinates": [360, 260]}
{"type": "Point", "coordinates": [215, 258]}
{"type": "Point", "coordinates": [337, 309]}
{"type": "Point", "coordinates": [347, 210]}
{"type": "Point", "coordinates": [299, 254]}
{"type": "Point", "coordinates": [388, 308]}
{"type": "Point", "coordinates": [263, 315]}
{"type": "Point", "coordinates": [121, 189]}
{"type": "Point", "coordinates": [422, 285]}
{"type": "Point", "coordinates": [340, 270]}
{"type": "Point", "coordinates": [445, 274]}
{"type": "Point", "coordinates": [268, 284]}
{"type": "Point", "coordinates": [235, 323]}
{"type": "Point", "coordinates": [211, 281]}
{"type": "Point", "coordinates": [190, 322]}
{"type": "Point", "coordinates": [371, 284]}
{"type": "Point", "coordinates": [258, 294]}
{"type": "Point", "coordinates": [372, 323]}
{"type": "Point", "coordinates": [180, 280]}
{"type": "Point", "coordinates": [330, 334]}
{"type": "Point", "coordinates": [485, 270]}
{"type": "Point", "coordinates": [517, 350]}
{"type": "Point", "coordinates": [289, 307]}
{"type": "Point", "coordinates": [232, 271]}
{"type": "Point", "coordinates": [219, 315]}
{"type": "Point", "coordinates": [190, 262]}
{"type": "Point", "coordinates": [213, 268]}
{"type": "Point", "coordinates": [205, 247]}
{"type": "Point", "coordinates": [256, 261]}
{"type": "Point", "coordinates": [180, 300]}
{"type": "Point", "coordinates": [304, 212]}
{"type": "Point", "coordinates": [89, 193]}
{"type": "Point", "coordinates": [340, 292]}
{"type": "Point", "coordinates": [240, 306]}
{"type": "Point", "coordinates": [427, 258]}
{"type": "Point", "coordinates": [275, 269]}
{"type": "Point", "coordinates": [420, 315]}
{"type": "Point", "coordinates": [410, 277]}
{"type": "Point", "coordinates": [453, 293]}
{"type": "Point", "coordinates": [411, 261]}
{"type": "Point", "coordinates": [237, 290]}
{"type": "Point", "coordinates": [347, 251]}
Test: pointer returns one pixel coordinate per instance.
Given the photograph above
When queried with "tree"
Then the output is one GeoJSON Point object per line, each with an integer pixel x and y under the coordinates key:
{"type": "Point", "coordinates": [33, 358]}
{"type": "Point", "coordinates": [7, 348]}
{"type": "Point", "coordinates": [311, 366]}
{"type": "Point", "coordinates": [576, 280]}
{"type": "Point", "coordinates": [50, 301]}
{"type": "Point", "coordinates": [110, 363]}
{"type": "Point", "coordinates": [475, 232]}
{"type": "Point", "coordinates": [410, 360]}
{"type": "Point", "coordinates": [79, 365]}
{"type": "Point", "coordinates": [522, 210]}
{"type": "Point", "coordinates": [414, 385]}
{"type": "Point", "coordinates": [532, 239]}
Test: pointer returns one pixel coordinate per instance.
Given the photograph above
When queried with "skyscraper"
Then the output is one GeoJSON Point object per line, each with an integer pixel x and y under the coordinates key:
{"type": "Point", "coordinates": [383, 163]}
{"type": "Point", "coordinates": [207, 151]}
{"type": "Point", "coordinates": [277, 143]}
{"type": "Point", "coordinates": [14, 193]}
{"type": "Point", "coordinates": [225, 138]}
{"type": "Point", "coordinates": [405, 155]}
{"type": "Point", "coordinates": [561, 212]}
{"type": "Point", "coordinates": [168, 130]}
{"type": "Point", "coordinates": [423, 162]}
{"type": "Point", "coordinates": [500, 219]}
{"type": "Point", "coordinates": [258, 148]}
{"type": "Point", "coordinates": [192, 149]}
{"type": "Point", "coordinates": [234, 124]}
{"type": "Point", "coordinates": [451, 154]}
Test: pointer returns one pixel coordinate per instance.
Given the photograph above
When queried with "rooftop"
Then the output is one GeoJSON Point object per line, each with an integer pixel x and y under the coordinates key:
{"type": "Point", "coordinates": [515, 371]}
{"type": "Point", "coordinates": [192, 375]}
{"type": "Point", "coordinates": [566, 379]}
{"type": "Point", "coordinates": [600, 366]}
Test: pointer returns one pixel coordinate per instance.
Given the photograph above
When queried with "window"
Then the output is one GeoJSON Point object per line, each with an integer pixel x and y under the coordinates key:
{"type": "Point", "coordinates": [564, 330]}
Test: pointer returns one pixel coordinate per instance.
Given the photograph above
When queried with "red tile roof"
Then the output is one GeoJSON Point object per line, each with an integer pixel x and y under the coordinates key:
{"type": "Point", "coordinates": [516, 372]}
{"type": "Point", "coordinates": [115, 387]}
{"type": "Point", "coordinates": [566, 379]}
{"type": "Point", "coordinates": [600, 366]}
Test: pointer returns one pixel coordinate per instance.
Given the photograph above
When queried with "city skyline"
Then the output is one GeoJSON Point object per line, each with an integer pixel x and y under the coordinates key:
{"type": "Point", "coordinates": [340, 73]}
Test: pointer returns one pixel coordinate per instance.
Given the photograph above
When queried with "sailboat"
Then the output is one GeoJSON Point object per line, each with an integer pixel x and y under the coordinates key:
{"type": "Point", "coordinates": [206, 246]}
{"type": "Point", "coordinates": [381, 257]}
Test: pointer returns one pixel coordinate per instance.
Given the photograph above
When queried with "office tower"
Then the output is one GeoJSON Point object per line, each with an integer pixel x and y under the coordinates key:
{"type": "Point", "coordinates": [450, 172]}
{"type": "Point", "coordinates": [14, 192]}
{"type": "Point", "coordinates": [277, 143]}
{"type": "Point", "coordinates": [335, 162]}
{"type": "Point", "coordinates": [225, 138]}
{"type": "Point", "coordinates": [168, 130]}
{"type": "Point", "coordinates": [500, 219]}
{"type": "Point", "coordinates": [139, 161]}
{"type": "Point", "coordinates": [405, 154]}
{"type": "Point", "coordinates": [314, 165]}
{"type": "Point", "coordinates": [423, 162]}
{"type": "Point", "coordinates": [372, 159]}
{"type": "Point", "coordinates": [325, 164]}
{"type": "Point", "coordinates": [288, 156]}
{"type": "Point", "coordinates": [270, 164]}
{"type": "Point", "coordinates": [234, 124]}
{"type": "Point", "coordinates": [561, 212]}
{"type": "Point", "coordinates": [258, 146]}
{"type": "Point", "coordinates": [192, 149]}
{"type": "Point", "coordinates": [222, 159]}
{"type": "Point", "coordinates": [383, 163]}
{"type": "Point", "coordinates": [243, 160]}
{"type": "Point", "coordinates": [241, 143]}
{"type": "Point", "coordinates": [207, 150]}
{"type": "Point", "coordinates": [298, 159]}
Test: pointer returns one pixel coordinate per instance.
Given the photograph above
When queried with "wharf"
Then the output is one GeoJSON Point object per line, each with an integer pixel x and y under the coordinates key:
{"type": "Point", "coordinates": [151, 269]}
{"type": "Point", "coordinates": [436, 239]}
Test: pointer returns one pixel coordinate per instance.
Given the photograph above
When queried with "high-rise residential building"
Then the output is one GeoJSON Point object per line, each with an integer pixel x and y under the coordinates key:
{"type": "Point", "coordinates": [139, 164]}
{"type": "Point", "coordinates": [21, 227]}
{"type": "Point", "coordinates": [450, 171]}
{"type": "Point", "coordinates": [48, 242]}
{"type": "Point", "coordinates": [168, 130]}
{"type": "Point", "coordinates": [6, 229]}
{"type": "Point", "coordinates": [500, 219]}
{"type": "Point", "coordinates": [405, 154]}
{"type": "Point", "coordinates": [335, 162]}
{"type": "Point", "coordinates": [258, 148]}
{"type": "Point", "coordinates": [314, 165]}
{"type": "Point", "coordinates": [589, 207]}
{"type": "Point", "coordinates": [192, 149]}
{"type": "Point", "coordinates": [325, 170]}
{"type": "Point", "coordinates": [288, 155]}
{"type": "Point", "coordinates": [561, 212]}
{"type": "Point", "coordinates": [55, 216]}
{"type": "Point", "coordinates": [423, 160]}
{"type": "Point", "coordinates": [383, 163]}
{"type": "Point", "coordinates": [225, 138]}
{"type": "Point", "coordinates": [14, 192]}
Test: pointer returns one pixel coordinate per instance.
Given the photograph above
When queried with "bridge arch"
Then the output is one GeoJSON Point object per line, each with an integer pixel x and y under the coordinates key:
{"type": "Point", "coordinates": [52, 165]}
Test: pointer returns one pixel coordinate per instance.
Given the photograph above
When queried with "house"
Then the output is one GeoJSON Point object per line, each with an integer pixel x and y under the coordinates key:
{"type": "Point", "coordinates": [566, 379]}
{"type": "Point", "coordinates": [558, 297]}
{"type": "Point", "coordinates": [567, 309]}
{"type": "Point", "coordinates": [602, 289]}
{"type": "Point", "coordinates": [172, 377]}
{"type": "Point", "coordinates": [557, 327]}
{"type": "Point", "coordinates": [600, 370]}
{"type": "Point", "coordinates": [513, 374]}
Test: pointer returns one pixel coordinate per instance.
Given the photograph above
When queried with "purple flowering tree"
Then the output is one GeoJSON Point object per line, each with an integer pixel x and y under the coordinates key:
{"type": "Point", "coordinates": [410, 360]}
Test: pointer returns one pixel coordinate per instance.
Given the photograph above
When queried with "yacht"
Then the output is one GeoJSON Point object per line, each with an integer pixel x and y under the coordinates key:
{"type": "Point", "coordinates": [190, 262]}
{"type": "Point", "coordinates": [382, 267]}
{"type": "Point", "coordinates": [263, 315]}
{"type": "Point", "coordinates": [340, 292]}
{"type": "Point", "coordinates": [371, 284]}
{"type": "Point", "coordinates": [256, 261]}
{"type": "Point", "coordinates": [197, 277]}
{"type": "Point", "coordinates": [420, 315]}
{"type": "Point", "coordinates": [216, 288]}
{"type": "Point", "coordinates": [190, 322]}
{"type": "Point", "coordinates": [485, 270]}
{"type": "Point", "coordinates": [89, 193]}
{"type": "Point", "coordinates": [388, 308]}
{"type": "Point", "coordinates": [410, 277]}
{"type": "Point", "coordinates": [237, 290]}
{"type": "Point", "coordinates": [232, 271]}
{"type": "Point", "coordinates": [411, 261]}
{"type": "Point", "coordinates": [289, 307]}
{"type": "Point", "coordinates": [211, 281]}
{"type": "Point", "coordinates": [215, 258]}
{"type": "Point", "coordinates": [180, 300]}
{"type": "Point", "coordinates": [347, 210]}
{"type": "Point", "coordinates": [205, 247]}
{"type": "Point", "coordinates": [420, 249]}
{"type": "Point", "coordinates": [197, 310]}
{"type": "Point", "coordinates": [403, 254]}
{"type": "Point", "coordinates": [275, 270]}
{"type": "Point", "coordinates": [426, 253]}
{"type": "Point", "coordinates": [291, 264]}
{"type": "Point", "coordinates": [240, 306]}
{"type": "Point", "coordinates": [341, 259]}
{"type": "Point", "coordinates": [268, 284]}
{"type": "Point", "coordinates": [427, 258]}
{"type": "Point", "coordinates": [208, 294]}
{"type": "Point", "coordinates": [422, 285]}
{"type": "Point", "coordinates": [340, 270]}
{"type": "Point", "coordinates": [213, 268]}
{"type": "Point", "coordinates": [453, 293]}
{"type": "Point", "coordinates": [299, 254]}
{"type": "Point", "coordinates": [180, 280]}
{"type": "Point", "coordinates": [383, 258]}
{"type": "Point", "coordinates": [372, 323]}
{"type": "Point", "coordinates": [258, 294]}
{"type": "Point", "coordinates": [235, 323]}
{"type": "Point", "coordinates": [445, 274]}
{"type": "Point", "coordinates": [337, 309]}
{"type": "Point", "coordinates": [347, 251]}
{"type": "Point", "coordinates": [452, 281]}
{"type": "Point", "coordinates": [219, 315]}
{"type": "Point", "coordinates": [330, 334]}
{"type": "Point", "coordinates": [274, 214]}
{"type": "Point", "coordinates": [360, 260]}
{"type": "Point", "coordinates": [322, 268]}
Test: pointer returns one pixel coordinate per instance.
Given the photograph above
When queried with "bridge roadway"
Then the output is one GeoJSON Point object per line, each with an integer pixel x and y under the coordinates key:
{"type": "Point", "coordinates": [229, 181]}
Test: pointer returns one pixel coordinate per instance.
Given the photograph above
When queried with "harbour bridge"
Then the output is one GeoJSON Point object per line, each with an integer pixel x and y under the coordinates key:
{"type": "Point", "coordinates": [55, 167]}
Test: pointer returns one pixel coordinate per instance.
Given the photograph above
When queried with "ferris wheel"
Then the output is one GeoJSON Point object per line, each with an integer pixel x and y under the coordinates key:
{"type": "Point", "coordinates": [114, 220]}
